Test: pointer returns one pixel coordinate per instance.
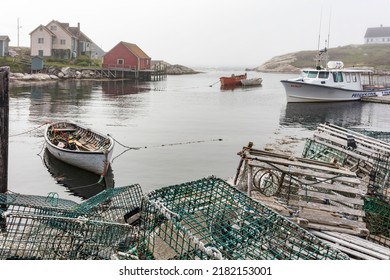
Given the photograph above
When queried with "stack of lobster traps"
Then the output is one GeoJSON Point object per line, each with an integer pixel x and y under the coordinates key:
{"type": "Point", "coordinates": [340, 185]}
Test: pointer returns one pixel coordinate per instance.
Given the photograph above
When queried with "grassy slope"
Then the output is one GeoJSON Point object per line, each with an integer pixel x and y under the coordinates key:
{"type": "Point", "coordinates": [377, 56]}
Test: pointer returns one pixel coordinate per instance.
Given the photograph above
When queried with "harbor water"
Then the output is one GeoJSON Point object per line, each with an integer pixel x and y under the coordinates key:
{"type": "Point", "coordinates": [183, 128]}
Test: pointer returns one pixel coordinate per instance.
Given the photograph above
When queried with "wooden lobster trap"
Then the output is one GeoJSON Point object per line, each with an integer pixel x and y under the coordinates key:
{"type": "Point", "coordinates": [320, 195]}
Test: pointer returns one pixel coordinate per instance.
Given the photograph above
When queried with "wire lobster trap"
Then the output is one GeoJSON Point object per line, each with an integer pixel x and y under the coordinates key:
{"type": "Point", "coordinates": [210, 219]}
{"type": "Point", "coordinates": [378, 220]}
{"type": "Point", "coordinates": [35, 227]}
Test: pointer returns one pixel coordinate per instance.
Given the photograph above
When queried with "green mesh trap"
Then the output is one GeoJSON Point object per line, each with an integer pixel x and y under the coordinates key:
{"type": "Point", "coordinates": [378, 220]}
{"type": "Point", "coordinates": [35, 227]}
{"type": "Point", "coordinates": [209, 219]}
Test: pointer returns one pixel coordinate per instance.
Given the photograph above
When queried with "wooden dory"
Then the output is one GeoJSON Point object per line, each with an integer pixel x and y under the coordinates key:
{"type": "Point", "coordinates": [79, 146]}
{"type": "Point", "coordinates": [233, 80]}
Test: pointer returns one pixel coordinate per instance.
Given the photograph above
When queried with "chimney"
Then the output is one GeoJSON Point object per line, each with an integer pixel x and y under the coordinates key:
{"type": "Point", "coordinates": [78, 28]}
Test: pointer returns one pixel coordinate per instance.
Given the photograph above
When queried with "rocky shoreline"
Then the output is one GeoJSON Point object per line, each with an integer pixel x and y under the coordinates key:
{"type": "Point", "coordinates": [55, 74]}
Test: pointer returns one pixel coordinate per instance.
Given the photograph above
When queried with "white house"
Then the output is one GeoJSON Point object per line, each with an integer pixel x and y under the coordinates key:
{"type": "Point", "coordinates": [59, 40]}
{"type": "Point", "coordinates": [377, 35]}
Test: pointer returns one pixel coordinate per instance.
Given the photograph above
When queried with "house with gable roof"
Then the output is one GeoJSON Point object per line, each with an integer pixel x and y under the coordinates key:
{"type": "Point", "coordinates": [377, 35]}
{"type": "Point", "coordinates": [126, 56]}
{"type": "Point", "coordinates": [59, 40]}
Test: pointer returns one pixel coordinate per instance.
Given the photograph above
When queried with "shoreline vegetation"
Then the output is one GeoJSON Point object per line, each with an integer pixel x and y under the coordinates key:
{"type": "Point", "coordinates": [368, 56]}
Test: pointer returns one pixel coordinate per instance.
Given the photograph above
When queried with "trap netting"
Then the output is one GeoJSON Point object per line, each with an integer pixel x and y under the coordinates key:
{"type": "Point", "coordinates": [34, 227]}
{"type": "Point", "coordinates": [378, 220]}
{"type": "Point", "coordinates": [209, 219]}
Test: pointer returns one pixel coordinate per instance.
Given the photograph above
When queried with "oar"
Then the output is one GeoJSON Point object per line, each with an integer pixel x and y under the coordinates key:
{"type": "Point", "coordinates": [214, 83]}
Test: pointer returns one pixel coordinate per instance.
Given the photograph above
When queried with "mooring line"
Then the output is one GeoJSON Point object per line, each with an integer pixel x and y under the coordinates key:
{"type": "Point", "coordinates": [161, 145]}
{"type": "Point", "coordinates": [31, 130]}
{"type": "Point", "coordinates": [164, 145]}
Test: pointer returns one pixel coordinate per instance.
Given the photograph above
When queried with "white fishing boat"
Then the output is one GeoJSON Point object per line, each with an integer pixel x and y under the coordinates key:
{"type": "Point", "coordinates": [79, 146]}
{"type": "Point", "coordinates": [252, 82]}
{"type": "Point", "coordinates": [332, 83]}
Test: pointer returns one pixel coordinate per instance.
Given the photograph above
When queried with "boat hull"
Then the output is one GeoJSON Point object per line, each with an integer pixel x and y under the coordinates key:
{"type": "Point", "coordinates": [232, 80]}
{"type": "Point", "coordinates": [297, 91]}
{"type": "Point", "coordinates": [252, 82]}
{"type": "Point", "coordinates": [94, 161]}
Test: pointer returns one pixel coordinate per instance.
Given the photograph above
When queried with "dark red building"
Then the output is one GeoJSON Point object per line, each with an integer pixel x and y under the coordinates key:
{"type": "Point", "coordinates": [126, 56]}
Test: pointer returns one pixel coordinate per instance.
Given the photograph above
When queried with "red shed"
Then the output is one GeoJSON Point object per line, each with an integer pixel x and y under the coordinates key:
{"type": "Point", "coordinates": [126, 55]}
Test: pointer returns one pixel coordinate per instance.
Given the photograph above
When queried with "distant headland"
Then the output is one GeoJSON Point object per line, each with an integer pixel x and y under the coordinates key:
{"type": "Point", "coordinates": [368, 56]}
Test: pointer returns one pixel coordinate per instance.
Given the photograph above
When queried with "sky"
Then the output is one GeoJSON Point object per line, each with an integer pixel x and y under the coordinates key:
{"type": "Point", "coordinates": [204, 33]}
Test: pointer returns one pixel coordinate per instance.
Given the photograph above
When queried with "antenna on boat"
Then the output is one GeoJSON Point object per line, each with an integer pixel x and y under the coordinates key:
{"type": "Point", "coordinates": [322, 55]}
{"type": "Point", "coordinates": [319, 32]}
{"type": "Point", "coordinates": [330, 17]}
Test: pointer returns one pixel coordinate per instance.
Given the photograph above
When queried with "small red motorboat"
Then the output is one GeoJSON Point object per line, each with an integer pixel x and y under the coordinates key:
{"type": "Point", "coordinates": [233, 80]}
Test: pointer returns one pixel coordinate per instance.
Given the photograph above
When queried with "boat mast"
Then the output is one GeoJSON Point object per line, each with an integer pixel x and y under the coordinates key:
{"type": "Point", "coordinates": [322, 56]}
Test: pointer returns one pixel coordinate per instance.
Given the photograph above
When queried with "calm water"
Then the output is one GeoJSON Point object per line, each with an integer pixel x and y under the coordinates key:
{"type": "Point", "coordinates": [179, 109]}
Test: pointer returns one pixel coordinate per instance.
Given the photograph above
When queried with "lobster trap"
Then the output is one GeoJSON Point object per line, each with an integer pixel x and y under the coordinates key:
{"type": "Point", "coordinates": [319, 195]}
{"type": "Point", "coordinates": [360, 152]}
{"type": "Point", "coordinates": [378, 220]}
{"type": "Point", "coordinates": [210, 219]}
{"type": "Point", "coordinates": [35, 227]}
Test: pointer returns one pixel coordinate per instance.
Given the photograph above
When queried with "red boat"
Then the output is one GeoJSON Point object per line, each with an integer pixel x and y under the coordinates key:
{"type": "Point", "coordinates": [233, 80]}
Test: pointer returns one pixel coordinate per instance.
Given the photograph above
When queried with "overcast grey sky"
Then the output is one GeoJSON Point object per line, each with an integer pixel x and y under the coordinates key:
{"type": "Point", "coordinates": [195, 33]}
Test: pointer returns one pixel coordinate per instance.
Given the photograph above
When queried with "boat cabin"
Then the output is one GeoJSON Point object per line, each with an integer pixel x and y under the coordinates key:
{"type": "Point", "coordinates": [344, 78]}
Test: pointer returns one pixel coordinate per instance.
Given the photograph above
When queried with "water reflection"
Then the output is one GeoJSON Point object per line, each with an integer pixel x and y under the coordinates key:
{"type": "Point", "coordinates": [309, 115]}
{"type": "Point", "coordinates": [78, 182]}
{"type": "Point", "coordinates": [123, 87]}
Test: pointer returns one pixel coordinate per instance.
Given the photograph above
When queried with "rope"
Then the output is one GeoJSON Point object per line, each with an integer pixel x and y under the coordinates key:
{"type": "Point", "coordinates": [164, 145]}
{"type": "Point", "coordinates": [157, 146]}
{"type": "Point", "coordinates": [31, 130]}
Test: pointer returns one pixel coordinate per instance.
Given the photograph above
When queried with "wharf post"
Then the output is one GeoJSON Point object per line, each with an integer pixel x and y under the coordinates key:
{"type": "Point", "coordinates": [4, 133]}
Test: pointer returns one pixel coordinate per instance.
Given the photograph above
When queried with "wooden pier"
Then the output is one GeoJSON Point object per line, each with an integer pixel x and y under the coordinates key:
{"type": "Point", "coordinates": [159, 73]}
{"type": "Point", "coordinates": [377, 99]}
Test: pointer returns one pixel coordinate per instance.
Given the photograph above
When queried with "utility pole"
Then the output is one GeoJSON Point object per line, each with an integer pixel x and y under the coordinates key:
{"type": "Point", "coordinates": [18, 26]}
{"type": "Point", "coordinates": [4, 121]}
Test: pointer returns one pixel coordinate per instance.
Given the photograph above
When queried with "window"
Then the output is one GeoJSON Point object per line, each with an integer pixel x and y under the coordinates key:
{"type": "Point", "coordinates": [62, 41]}
{"type": "Point", "coordinates": [53, 27]}
{"type": "Point", "coordinates": [348, 77]}
{"type": "Point", "coordinates": [323, 75]}
{"type": "Point", "coordinates": [120, 61]}
{"type": "Point", "coordinates": [337, 77]}
{"type": "Point", "coordinates": [312, 74]}
{"type": "Point", "coordinates": [354, 78]}
{"type": "Point", "coordinates": [40, 40]}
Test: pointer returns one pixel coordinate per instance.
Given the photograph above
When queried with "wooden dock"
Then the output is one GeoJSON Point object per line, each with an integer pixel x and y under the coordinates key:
{"type": "Point", "coordinates": [377, 99]}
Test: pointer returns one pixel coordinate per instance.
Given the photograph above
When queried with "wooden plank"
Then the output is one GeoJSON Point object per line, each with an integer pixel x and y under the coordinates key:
{"type": "Point", "coordinates": [357, 231]}
{"type": "Point", "coordinates": [361, 149]}
{"type": "Point", "coordinates": [329, 208]}
{"type": "Point", "coordinates": [342, 199]}
{"type": "Point", "coordinates": [358, 136]}
{"type": "Point", "coordinates": [327, 218]}
{"type": "Point", "coordinates": [336, 186]}
{"type": "Point", "coordinates": [306, 172]}
{"type": "Point", "coordinates": [351, 245]}
{"type": "Point", "coordinates": [362, 242]}
{"type": "Point", "coordinates": [4, 127]}
{"type": "Point", "coordinates": [374, 152]}
{"type": "Point", "coordinates": [305, 165]}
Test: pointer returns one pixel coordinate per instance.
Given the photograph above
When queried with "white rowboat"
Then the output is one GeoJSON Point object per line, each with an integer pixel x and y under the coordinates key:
{"type": "Point", "coordinates": [79, 146]}
{"type": "Point", "coordinates": [252, 82]}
